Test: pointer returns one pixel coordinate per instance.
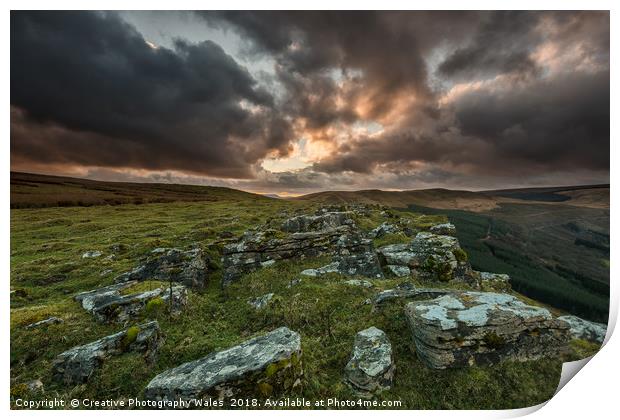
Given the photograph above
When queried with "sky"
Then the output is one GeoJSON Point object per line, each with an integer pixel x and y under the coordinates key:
{"type": "Point", "coordinates": [291, 103]}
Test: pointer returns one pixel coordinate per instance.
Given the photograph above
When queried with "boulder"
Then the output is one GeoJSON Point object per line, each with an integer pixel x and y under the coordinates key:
{"type": "Point", "coordinates": [463, 329]}
{"type": "Point", "coordinates": [430, 257]}
{"type": "Point", "coordinates": [263, 366]}
{"type": "Point", "coordinates": [382, 230]}
{"type": "Point", "coordinates": [109, 305]}
{"type": "Point", "coordinates": [92, 254]}
{"type": "Point", "coordinates": [443, 229]}
{"type": "Point", "coordinates": [261, 301]}
{"type": "Point", "coordinates": [189, 268]}
{"type": "Point", "coordinates": [585, 330]}
{"type": "Point", "coordinates": [76, 365]}
{"type": "Point", "coordinates": [323, 221]}
{"type": "Point", "coordinates": [371, 368]}
{"type": "Point", "coordinates": [44, 323]}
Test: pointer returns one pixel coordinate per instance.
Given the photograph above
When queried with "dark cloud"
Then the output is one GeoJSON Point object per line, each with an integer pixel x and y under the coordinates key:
{"type": "Point", "coordinates": [155, 108]}
{"type": "Point", "coordinates": [461, 98]}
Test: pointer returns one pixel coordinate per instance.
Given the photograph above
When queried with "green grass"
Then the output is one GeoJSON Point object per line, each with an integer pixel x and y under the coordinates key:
{"type": "Point", "coordinates": [47, 271]}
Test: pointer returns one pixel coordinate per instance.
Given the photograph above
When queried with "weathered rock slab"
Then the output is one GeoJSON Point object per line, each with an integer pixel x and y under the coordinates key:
{"type": "Point", "coordinates": [44, 323]}
{"type": "Point", "coordinates": [265, 365]}
{"type": "Point", "coordinates": [585, 330]}
{"type": "Point", "coordinates": [371, 368]}
{"type": "Point", "coordinates": [109, 305]}
{"type": "Point", "coordinates": [77, 365]}
{"type": "Point", "coordinates": [443, 229]}
{"type": "Point", "coordinates": [189, 268]}
{"type": "Point", "coordinates": [470, 328]}
{"type": "Point", "coordinates": [313, 223]}
{"type": "Point", "coordinates": [261, 301]}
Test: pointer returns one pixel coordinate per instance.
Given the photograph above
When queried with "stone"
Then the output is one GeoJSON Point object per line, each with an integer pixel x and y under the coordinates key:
{"type": "Point", "coordinates": [482, 328]}
{"type": "Point", "coordinates": [323, 221]}
{"type": "Point", "coordinates": [76, 365]}
{"type": "Point", "coordinates": [359, 283]}
{"type": "Point", "coordinates": [266, 365]}
{"type": "Point", "coordinates": [382, 230]}
{"type": "Point", "coordinates": [44, 323]}
{"type": "Point", "coordinates": [92, 254]}
{"type": "Point", "coordinates": [189, 268]}
{"type": "Point", "coordinates": [261, 301]}
{"type": "Point", "coordinates": [109, 305]}
{"type": "Point", "coordinates": [493, 281]}
{"type": "Point", "coordinates": [431, 257]}
{"type": "Point", "coordinates": [34, 386]}
{"type": "Point", "coordinates": [353, 253]}
{"type": "Point", "coordinates": [371, 367]}
{"type": "Point", "coordinates": [398, 270]}
{"type": "Point", "coordinates": [407, 291]}
{"type": "Point", "coordinates": [292, 283]}
{"type": "Point", "coordinates": [443, 229]}
{"type": "Point", "coordinates": [585, 330]}
{"type": "Point", "coordinates": [321, 271]}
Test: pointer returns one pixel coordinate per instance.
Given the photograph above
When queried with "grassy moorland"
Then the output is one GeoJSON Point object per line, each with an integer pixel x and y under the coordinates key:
{"type": "Point", "coordinates": [47, 270]}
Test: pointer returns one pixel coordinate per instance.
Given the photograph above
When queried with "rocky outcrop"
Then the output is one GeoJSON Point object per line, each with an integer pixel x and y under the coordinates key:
{"type": "Point", "coordinates": [109, 305]}
{"type": "Point", "coordinates": [323, 221]}
{"type": "Point", "coordinates": [458, 330]}
{"type": "Point", "coordinates": [44, 323]}
{"type": "Point", "coordinates": [353, 253]}
{"type": "Point", "coordinates": [443, 229]}
{"type": "Point", "coordinates": [382, 230]}
{"type": "Point", "coordinates": [189, 268]}
{"type": "Point", "coordinates": [371, 368]}
{"type": "Point", "coordinates": [77, 365]}
{"type": "Point", "coordinates": [585, 330]}
{"type": "Point", "coordinates": [429, 256]}
{"type": "Point", "coordinates": [265, 366]}
{"type": "Point", "coordinates": [359, 283]}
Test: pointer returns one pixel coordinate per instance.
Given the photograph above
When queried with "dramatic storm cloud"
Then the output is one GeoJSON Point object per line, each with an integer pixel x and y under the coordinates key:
{"type": "Point", "coordinates": [294, 102]}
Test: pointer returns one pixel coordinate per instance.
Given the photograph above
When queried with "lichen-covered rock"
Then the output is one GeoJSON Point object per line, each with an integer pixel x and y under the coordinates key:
{"type": "Point", "coordinates": [92, 254]}
{"type": "Point", "coordinates": [371, 368]}
{"type": "Point", "coordinates": [353, 253]}
{"type": "Point", "coordinates": [261, 301]}
{"type": "Point", "coordinates": [109, 305]}
{"type": "Point", "coordinates": [323, 221]}
{"type": "Point", "coordinates": [44, 323]}
{"type": "Point", "coordinates": [585, 330]}
{"type": "Point", "coordinates": [189, 268]}
{"type": "Point", "coordinates": [263, 366]}
{"type": "Point", "coordinates": [382, 230]}
{"type": "Point", "coordinates": [430, 257]}
{"type": "Point", "coordinates": [443, 229]}
{"type": "Point", "coordinates": [470, 328]}
{"type": "Point", "coordinates": [76, 365]}
{"type": "Point", "coordinates": [493, 281]}
{"type": "Point", "coordinates": [408, 291]}
{"type": "Point", "coordinates": [398, 270]}
{"type": "Point", "coordinates": [359, 283]}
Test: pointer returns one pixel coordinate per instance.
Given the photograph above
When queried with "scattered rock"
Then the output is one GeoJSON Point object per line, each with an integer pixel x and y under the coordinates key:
{"type": "Point", "coordinates": [323, 221]}
{"type": "Point", "coordinates": [265, 365]}
{"type": "Point", "coordinates": [409, 292]}
{"type": "Point", "coordinates": [494, 281]}
{"type": "Point", "coordinates": [76, 365]}
{"type": "Point", "coordinates": [443, 229]}
{"type": "Point", "coordinates": [92, 254]}
{"type": "Point", "coordinates": [585, 330]}
{"type": "Point", "coordinates": [34, 386]}
{"type": "Point", "coordinates": [383, 229]}
{"type": "Point", "coordinates": [109, 305]}
{"type": "Point", "coordinates": [189, 268]}
{"type": "Point", "coordinates": [371, 368]}
{"type": "Point", "coordinates": [359, 283]}
{"type": "Point", "coordinates": [292, 283]}
{"type": "Point", "coordinates": [458, 330]}
{"type": "Point", "coordinates": [321, 271]}
{"type": "Point", "coordinates": [261, 301]}
{"type": "Point", "coordinates": [45, 322]}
